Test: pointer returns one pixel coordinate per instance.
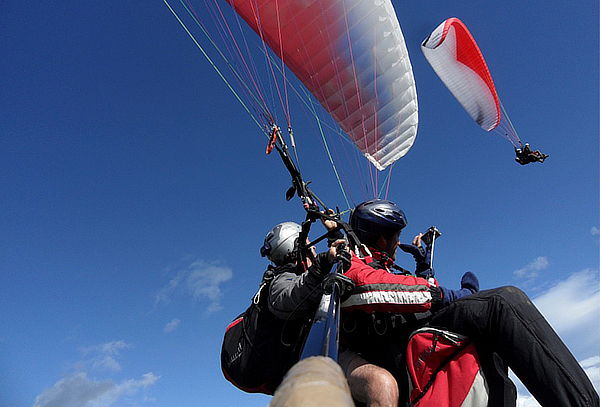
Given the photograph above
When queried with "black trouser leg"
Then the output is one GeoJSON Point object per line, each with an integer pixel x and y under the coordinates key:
{"type": "Point", "coordinates": [502, 391]}
{"type": "Point", "coordinates": [505, 321]}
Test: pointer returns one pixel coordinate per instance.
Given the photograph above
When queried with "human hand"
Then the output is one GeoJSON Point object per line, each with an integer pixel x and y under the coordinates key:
{"type": "Point", "coordinates": [422, 260]}
{"type": "Point", "coordinates": [328, 223]}
{"type": "Point", "coordinates": [336, 249]}
{"type": "Point", "coordinates": [417, 240]}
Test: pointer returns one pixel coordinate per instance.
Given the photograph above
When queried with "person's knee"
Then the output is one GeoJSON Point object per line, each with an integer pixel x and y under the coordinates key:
{"type": "Point", "coordinates": [382, 381]}
{"type": "Point", "coordinates": [380, 387]}
{"type": "Point", "coordinates": [369, 384]}
{"type": "Point", "coordinates": [512, 294]}
{"type": "Point", "coordinates": [387, 388]}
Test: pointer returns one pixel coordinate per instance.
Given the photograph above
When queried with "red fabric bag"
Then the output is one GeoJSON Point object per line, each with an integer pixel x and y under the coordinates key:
{"type": "Point", "coordinates": [444, 370]}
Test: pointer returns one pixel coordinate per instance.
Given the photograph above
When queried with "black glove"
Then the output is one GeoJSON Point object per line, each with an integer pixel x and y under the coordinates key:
{"type": "Point", "coordinates": [334, 235]}
{"type": "Point", "coordinates": [345, 259]}
{"type": "Point", "coordinates": [321, 265]}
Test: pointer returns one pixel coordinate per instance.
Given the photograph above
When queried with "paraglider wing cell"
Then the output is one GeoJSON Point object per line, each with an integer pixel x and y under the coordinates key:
{"type": "Point", "coordinates": [351, 55]}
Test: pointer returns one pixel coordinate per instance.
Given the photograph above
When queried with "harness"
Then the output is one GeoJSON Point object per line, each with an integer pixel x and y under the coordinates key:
{"type": "Point", "coordinates": [380, 260]}
{"type": "Point", "coordinates": [382, 323]}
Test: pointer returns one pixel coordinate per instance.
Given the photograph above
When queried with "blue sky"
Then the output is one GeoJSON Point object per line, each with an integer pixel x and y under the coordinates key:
{"type": "Point", "coordinates": [136, 192]}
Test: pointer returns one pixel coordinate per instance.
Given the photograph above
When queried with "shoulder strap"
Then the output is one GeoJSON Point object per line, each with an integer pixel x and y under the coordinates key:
{"type": "Point", "coordinates": [268, 276]}
{"type": "Point", "coordinates": [257, 297]}
{"type": "Point", "coordinates": [401, 270]}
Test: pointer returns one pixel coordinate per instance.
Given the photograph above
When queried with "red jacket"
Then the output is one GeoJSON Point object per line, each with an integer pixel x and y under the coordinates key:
{"type": "Point", "coordinates": [377, 289]}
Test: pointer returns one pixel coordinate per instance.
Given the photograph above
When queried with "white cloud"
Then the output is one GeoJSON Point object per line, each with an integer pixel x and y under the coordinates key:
{"type": "Point", "coordinates": [172, 325]}
{"type": "Point", "coordinates": [573, 309]}
{"type": "Point", "coordinates": [592, 369]}
{"type": "Point", "coordinates": [591, 366]}
{"type": "Point", "coordinates": [78, 390]}
{"type": "Point", "coordinates": [530, 271]}
{"type": "Point", "coordinates": [104, 356]}
{"type": "Point", "coordinates": [201, 280]}
{"type": "Point", "coordinates": [106, 362]}
{"type": "Point", "coordinates": [526, 401]}
{"type": "Point", "coordinates": [204, 281]}
{"type": "Point", "coordinates": [595, 231]}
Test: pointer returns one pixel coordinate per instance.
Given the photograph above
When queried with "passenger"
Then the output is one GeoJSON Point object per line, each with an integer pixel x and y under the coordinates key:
{"type": "Point", "coordinates": [384, 308]}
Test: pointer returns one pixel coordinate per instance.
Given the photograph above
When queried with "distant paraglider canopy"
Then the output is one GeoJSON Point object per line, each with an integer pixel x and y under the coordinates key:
{"type": "Point", "coordinates": [455, 57]}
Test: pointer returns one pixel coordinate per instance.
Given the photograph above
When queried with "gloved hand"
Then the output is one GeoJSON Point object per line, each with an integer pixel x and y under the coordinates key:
{"type": "Point", "coordinates": [337, 253]}
{"type": "Point", "coordinates": [422, 259]}
{"type": "Point", "coordinates": [345, 258]}
{"type": "Point", "coordinates": [469, 285]}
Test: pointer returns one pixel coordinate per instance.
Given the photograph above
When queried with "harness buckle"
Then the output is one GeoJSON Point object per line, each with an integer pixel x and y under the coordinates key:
{"type": "Point", "coordinates": [379, 325]}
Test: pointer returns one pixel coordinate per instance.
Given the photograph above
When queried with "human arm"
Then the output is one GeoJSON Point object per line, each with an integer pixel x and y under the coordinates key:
{"type": "Point", "coordinates": [469, 284]}
{"type": "Point", "coordinates": [293, 295]}
{"type": "Point", "coordinates": [333, 230]}
{"type": "Point", "coordinates": [422, 257]}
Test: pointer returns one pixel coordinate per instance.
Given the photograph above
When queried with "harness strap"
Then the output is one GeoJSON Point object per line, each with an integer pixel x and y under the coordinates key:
{"type": "Point", "coordinates": [256, 298]}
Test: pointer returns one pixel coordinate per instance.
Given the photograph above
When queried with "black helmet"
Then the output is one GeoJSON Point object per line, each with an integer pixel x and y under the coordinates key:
{"type": "Point", "coordinates": [375, 218]}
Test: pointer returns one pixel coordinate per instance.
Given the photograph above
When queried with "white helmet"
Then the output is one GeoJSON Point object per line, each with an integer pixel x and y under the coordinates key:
{"type": "Point", "coordinates": [280, 242]}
